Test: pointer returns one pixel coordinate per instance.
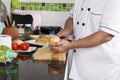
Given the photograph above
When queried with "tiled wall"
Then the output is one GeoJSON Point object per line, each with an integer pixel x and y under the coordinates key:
{"type": "Point", "coordinates": [42, 6]}
{"type": "Point", "coordinates": [53, 12]}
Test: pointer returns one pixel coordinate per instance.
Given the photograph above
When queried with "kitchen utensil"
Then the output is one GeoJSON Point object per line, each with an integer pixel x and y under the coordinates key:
{"type": "Point", "coordinates": [12, 31]}
{"type": "Point", "coordinates": [7, 22]}
{"type": "Point", "coordinates": [3, 11]}
{"type": "Point", "coordinates": [33, 43]}
{"type": "Point", "coordinates": [36, 31]}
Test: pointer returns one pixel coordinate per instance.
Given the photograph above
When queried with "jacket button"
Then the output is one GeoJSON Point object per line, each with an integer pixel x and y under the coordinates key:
{"type": "Point", "coordinates": [81, 9]}
{"type": "Point", "coordinates": [77, 23]}
{"type": "Point", "coordinates": [89, 9]}
{"type": "Point", "coordinates": [74, 50]}
{"type": "Point", "coordinates": [83, 24]}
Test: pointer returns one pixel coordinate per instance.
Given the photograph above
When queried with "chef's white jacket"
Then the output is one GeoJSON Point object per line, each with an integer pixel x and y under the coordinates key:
{"type": "Point", "coordinates": [100, 62]}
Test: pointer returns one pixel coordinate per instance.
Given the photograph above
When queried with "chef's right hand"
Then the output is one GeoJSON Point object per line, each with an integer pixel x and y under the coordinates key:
{"type": "Point", "coordinates": [60, 46]}
{"type": "Point", "coordinates": [63, 34]}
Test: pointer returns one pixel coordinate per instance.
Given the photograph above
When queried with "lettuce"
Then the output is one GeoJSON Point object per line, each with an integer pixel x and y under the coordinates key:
{"type": "Point", "coordinates": [4, 52]}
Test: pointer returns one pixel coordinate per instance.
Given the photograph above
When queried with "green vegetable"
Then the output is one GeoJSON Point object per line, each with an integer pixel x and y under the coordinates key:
{"type": "Point", "coordinates": [3, 51]}
{"type": "Point", "coordinates": [4, 48]}
{"type": "Point", "coordinates": [2, 56]}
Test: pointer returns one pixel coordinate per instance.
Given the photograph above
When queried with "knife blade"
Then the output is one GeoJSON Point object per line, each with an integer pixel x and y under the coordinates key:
{"type": "Point", "coordinates": [8, 19]}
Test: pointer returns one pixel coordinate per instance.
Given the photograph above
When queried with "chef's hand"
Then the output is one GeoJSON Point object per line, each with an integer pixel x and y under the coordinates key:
{"type": "Point", "coordinates": [63, 34]}
{"type": "Point", "coordinates": [59, 47]}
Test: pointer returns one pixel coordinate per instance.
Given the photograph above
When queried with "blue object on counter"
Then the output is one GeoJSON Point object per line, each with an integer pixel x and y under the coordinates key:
{"type": "Point", "coordinates": [52, 32]}
{"type": "Point", "coordinates": [10, 55]}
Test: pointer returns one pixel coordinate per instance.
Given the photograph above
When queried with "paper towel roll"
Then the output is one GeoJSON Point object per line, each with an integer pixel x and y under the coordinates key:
{"type": "Point", "coordinates": [5, 40]}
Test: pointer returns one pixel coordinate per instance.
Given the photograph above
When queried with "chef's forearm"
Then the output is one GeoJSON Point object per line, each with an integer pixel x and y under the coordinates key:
{"type": "Point", "coordinates": [69, 25]}
{"type": "Point", "coordinates": [91, 41]}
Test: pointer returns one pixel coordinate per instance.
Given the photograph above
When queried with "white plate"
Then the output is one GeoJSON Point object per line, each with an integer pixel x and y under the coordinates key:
{"type": "Point", "coordinates": [29, 50]}
{"type": "Point", "coordinates": [33, 42]}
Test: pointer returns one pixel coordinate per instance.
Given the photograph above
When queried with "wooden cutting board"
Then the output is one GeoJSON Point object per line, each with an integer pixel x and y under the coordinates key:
{"type": "Point", "coordinates": [47, 54]}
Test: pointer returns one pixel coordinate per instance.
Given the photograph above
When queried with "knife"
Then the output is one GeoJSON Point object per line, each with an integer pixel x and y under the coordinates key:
{"type": "Point", "coordinates": [7, 22]}
{"type": "Point", "coordinates": [8, 19]}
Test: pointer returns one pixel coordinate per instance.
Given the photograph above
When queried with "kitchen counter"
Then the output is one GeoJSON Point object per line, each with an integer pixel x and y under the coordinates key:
{"type": "Point", "coordinates": [25, 68]}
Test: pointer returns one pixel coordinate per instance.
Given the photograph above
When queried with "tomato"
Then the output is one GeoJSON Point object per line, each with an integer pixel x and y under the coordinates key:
{"type": "Point", "coordinates": [25, 57]}
{"type": "Point", "coordinates": [15, 46]}
{"type": "Point", "coordinates": [24, 46]}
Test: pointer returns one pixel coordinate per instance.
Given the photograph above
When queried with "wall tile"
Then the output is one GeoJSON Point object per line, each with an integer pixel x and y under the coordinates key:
{"type": "Point", "coordinates": [42, 6]}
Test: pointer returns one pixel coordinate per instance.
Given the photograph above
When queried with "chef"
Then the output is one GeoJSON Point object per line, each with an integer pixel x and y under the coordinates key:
{"type": "Point", "coordinates": [95, 25]}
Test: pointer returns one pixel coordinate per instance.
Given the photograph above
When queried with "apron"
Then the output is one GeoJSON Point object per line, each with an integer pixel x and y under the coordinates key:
{"type": "Point", "coordinates": [95, 63]}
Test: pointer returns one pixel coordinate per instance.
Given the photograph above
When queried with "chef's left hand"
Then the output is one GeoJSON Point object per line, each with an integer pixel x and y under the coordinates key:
{"type": "Point", "coordinates": [59, 47]}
